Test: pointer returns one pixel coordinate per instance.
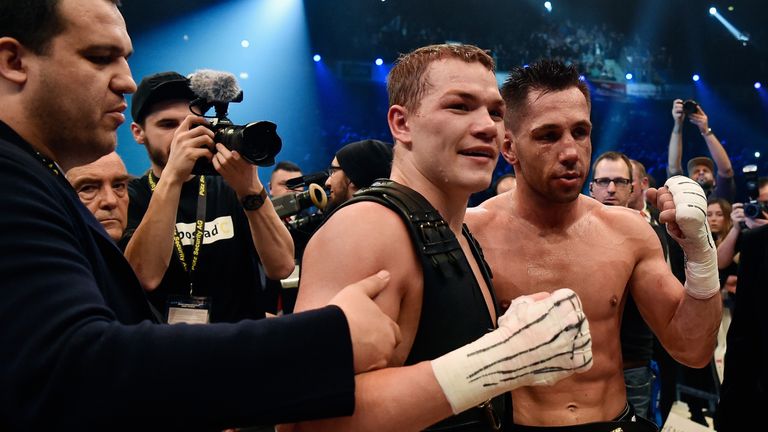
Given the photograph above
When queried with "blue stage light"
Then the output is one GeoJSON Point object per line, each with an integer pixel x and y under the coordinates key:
{"type": "Point", "coordinates": [758, 85]}
{"type": "Point", "coordinates": [317, 58]}
{"type": "Point", "coordinates": [379, 61]}
{"type": "Point", "coordinates": [757, 154]}
{"type": "Point", "coordinates": [628, 76]}
{"type": "Point", "coordinates": [548, 6]}
{"type": "Point", "coordinates": [696, 77]}
{"type": "Point", "coordinates": [712, 11]}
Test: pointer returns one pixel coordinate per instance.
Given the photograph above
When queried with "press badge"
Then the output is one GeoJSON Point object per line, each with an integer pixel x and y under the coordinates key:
{"type": "Point", "coordinates": [190, 310]}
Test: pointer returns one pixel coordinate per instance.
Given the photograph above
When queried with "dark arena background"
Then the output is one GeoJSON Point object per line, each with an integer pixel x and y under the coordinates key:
{"type": "Point", "coordinates": [317, 68]}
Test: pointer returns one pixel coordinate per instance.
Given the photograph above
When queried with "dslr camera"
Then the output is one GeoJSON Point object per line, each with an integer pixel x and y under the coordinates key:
{"type": "Point", "coordinates": [690, 107]}
{"type": "Point", "coordinates": [257, 142]}
{"type": "Point", "coordinates": [753, 208]}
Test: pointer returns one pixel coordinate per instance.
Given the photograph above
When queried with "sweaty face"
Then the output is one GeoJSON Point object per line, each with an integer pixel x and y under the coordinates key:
{"type": "Point", "coordinates": [551, 145]}
{"type": "Point", "coordinates": [103, 187]}
{"type": "Point", "coordinates": [703, 175]}
{"type": "Point", "coordinates": [614, 193]}
{"type": "Point", "coordinates": [716, 218]}
{"type": "Point", "coordinates": [456, 131]}
{"type": "Point", "coordinates": [159, 126]}
{"type": "Point", "coordinates": [277, 185]}
{"type": "Point", "coordinates": [339, 185]}
{"type": "Point", "coordinates": [76, 87]}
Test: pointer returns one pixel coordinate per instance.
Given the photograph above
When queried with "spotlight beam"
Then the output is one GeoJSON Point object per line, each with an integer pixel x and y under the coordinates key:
{"type": "Point", "coordinates": [740, 36]}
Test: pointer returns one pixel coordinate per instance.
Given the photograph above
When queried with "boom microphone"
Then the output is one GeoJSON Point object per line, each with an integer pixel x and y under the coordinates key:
{"type": "Point", "coordinates": [215, 87]}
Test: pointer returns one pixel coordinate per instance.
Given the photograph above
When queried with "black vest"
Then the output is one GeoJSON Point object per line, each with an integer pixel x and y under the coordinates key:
{"type": "Point", "coordinates": [453, 311]}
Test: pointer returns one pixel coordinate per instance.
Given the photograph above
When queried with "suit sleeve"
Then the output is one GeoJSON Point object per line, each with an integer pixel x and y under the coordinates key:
{"type": "Point", "coordinates": [745, 377]}
{"type": "Point", "coordinates": [67, 361]}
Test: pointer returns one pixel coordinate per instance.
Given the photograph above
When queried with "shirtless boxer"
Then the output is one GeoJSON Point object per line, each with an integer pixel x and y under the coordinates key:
{"type": "Point", "coordinates": [545, 235]}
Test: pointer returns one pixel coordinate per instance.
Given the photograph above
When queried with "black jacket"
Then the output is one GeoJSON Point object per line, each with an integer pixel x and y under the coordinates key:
{"type": "Point", "coordinates": [79, 349]}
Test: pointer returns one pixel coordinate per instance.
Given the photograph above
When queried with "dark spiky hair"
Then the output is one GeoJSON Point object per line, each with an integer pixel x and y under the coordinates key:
{"type": "Point", "coordinates": [546, 75]}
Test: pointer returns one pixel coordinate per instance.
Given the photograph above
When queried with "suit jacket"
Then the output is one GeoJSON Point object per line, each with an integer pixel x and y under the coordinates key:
{"type": "Point", "coordinates": [744, 393]}
{"type": "Point", "coordinates": [79, 348]}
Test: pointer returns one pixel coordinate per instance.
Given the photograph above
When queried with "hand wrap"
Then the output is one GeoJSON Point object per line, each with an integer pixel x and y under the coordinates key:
{"type": "Point", "coordinates": [538, 342]}
{"type": "Point", "coordinates": [701, 277]}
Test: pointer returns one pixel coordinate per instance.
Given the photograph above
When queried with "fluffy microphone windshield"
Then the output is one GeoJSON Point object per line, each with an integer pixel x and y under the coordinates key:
{"type": "Point", "coordinates": [214, 86]}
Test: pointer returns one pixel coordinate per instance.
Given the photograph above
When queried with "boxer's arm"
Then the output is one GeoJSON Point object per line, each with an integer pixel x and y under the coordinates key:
{"type": "Point", "coordinates": [684, 318]}
{"type": "Point", "coordinates": [538, 342]}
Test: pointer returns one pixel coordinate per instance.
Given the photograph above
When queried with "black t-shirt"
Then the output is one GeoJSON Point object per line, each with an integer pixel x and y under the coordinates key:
{"type": "Point", "coordinates": [227, 270]}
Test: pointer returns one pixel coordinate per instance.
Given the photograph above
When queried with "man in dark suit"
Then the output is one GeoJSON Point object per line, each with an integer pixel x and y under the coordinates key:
{"type": "Point", "coordinates": [744, 393]}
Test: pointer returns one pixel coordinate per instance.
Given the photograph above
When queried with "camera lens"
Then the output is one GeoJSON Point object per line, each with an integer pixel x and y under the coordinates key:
{"type": "Point", "coordinates": [257, 142]}
{"type": "Point", "coordinates": [752, 210]}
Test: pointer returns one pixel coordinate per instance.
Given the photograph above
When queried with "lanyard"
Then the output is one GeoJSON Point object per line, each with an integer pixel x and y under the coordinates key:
{"type": "Point", "coordinates": [52, 166]}
{"type": "Point", "coordinates": [199, 228]}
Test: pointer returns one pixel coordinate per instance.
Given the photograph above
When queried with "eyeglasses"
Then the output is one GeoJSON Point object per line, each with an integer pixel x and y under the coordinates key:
{"type": "Point", "coordinates": [618, 181]}
{"type": "Point", "coordinates": [332, 169]}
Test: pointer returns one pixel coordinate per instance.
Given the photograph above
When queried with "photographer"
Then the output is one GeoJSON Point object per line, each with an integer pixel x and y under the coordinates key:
{"type": "Point", "coordinates": [729, 247]}
{"type": "Point", "coordinates": [700, 169]}
{"type": "Point", "coordinates": [196, 241]}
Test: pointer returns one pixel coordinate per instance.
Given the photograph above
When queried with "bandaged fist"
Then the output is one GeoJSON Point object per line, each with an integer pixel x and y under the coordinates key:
{"type": "Point", "coordinates": [538, 342]}
{"type": "Point", "coordinates": [548, 340]}
{"type": "Point", "coordinates": [683, 201]}
{"type": "Point", "coordinates": [690, 216]}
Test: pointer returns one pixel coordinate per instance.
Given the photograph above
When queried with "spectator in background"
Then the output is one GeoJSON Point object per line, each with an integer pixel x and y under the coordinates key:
{"type": "Point", "coordinates": [102, 186]}
{"type": "Point", "coordinates": [715, 182]}
{"type": "Point", "coordinates": [721, 224]}
{"type": "Point", "coordinates": [613, 185]}
{"type": "Point", "coordinates": [277, 298]}
{"type": "Point", "coordinates": [283, 171]}
{"type": "Point", "coordinates": [355, 166]}
{"type": "Point", "coordinates": [505, 183]}
{"type": "Point", "coordinates": [637, 200]}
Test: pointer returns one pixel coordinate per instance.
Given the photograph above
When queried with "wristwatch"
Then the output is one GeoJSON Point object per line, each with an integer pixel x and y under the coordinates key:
{"type": "Point", "coordinates": [254, 201]}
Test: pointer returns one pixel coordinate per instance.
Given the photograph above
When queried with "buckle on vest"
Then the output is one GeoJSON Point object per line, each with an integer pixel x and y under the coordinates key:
{"type": "Point", "coordinates": [490, 415]}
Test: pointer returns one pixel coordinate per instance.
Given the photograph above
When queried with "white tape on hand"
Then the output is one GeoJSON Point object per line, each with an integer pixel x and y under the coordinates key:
{"type": "Point", "coordinates": [701, 277]}
{"type": "Point", "coordinates": [538, 342]}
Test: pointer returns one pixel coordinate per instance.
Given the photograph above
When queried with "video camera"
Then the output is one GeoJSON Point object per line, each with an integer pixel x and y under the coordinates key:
{"type": "Point", "coordinates": [292, 203]}
{"type": "Point", "coordinates": [753, 208]}
{"type": "Point", "coordinates": [257, 142]}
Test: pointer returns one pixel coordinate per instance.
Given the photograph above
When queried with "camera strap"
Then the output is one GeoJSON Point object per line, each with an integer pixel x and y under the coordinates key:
{"type": "Point", "coordinates": [199, 230]}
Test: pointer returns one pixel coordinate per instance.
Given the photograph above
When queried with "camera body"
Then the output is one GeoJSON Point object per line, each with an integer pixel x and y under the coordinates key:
{"type": "Point", "coordinates": [257, 142]}
{"type": "Point", "coordinates": [690, 107]}
{"type": "Point", "coordinates": [753, 208]}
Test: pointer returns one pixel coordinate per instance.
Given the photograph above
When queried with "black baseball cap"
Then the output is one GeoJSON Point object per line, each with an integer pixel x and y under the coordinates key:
{"type": "Point", "coordinates": [157, 88]}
